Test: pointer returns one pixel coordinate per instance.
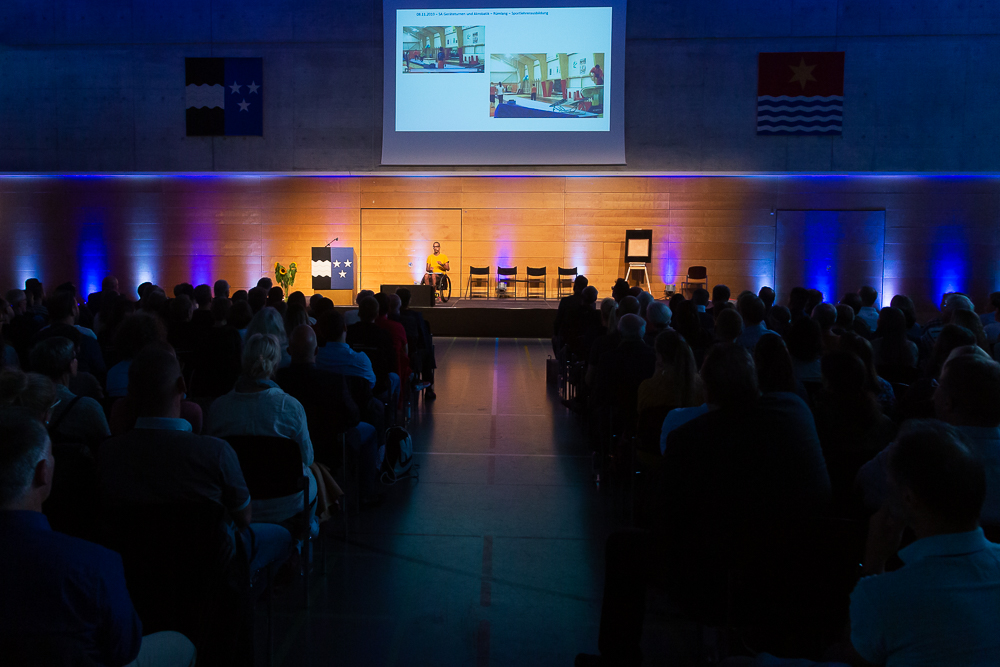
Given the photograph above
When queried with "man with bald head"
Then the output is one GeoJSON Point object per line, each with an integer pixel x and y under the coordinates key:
{"type": "Point", "coordinates": [330, 409]}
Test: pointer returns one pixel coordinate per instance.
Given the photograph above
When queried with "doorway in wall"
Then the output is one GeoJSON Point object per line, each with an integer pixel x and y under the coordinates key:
{"type": "Point", "coordinates": [833, 251]}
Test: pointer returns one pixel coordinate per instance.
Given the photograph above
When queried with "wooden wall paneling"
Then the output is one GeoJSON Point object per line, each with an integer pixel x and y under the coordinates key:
{"type": "Point", "coordinates": [513, 184]}
{"type": "Point", "coordinates": [634, 184]}
{"type": "Point", "coordinates": [395, 243]}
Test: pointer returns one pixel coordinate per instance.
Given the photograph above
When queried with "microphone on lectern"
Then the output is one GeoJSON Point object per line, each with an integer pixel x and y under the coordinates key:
{"type": "Point", "coordinates": [328, 244]}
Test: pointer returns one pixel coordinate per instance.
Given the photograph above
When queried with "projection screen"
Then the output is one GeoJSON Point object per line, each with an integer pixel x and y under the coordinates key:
{"type": "Point", "coordinates": [493, 84]}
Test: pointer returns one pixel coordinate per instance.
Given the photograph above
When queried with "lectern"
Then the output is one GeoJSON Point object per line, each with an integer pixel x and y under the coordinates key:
{"type": "Point", "coordinates": [333, 269]}
{"type": "Point", "coordinates": [638, 253]}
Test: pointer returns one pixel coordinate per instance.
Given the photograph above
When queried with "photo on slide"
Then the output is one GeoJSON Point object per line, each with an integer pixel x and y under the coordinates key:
{"type": "Point", "coordinates": [546, 85]}
{"type": "Point", "coordinates": [444, 49]}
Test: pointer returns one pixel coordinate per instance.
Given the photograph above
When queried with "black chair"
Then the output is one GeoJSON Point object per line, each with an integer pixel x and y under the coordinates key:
{"type": "Point", "coordinates": [272, 468]}
{"type": "Point", "coordinates": [564, 282]}
{"type": "Point", "coordinates": [535, 278]}
{"type": "Point", "coordinates": [508, 276]}
{"type": "Point", "coordinates": [479, 276]}
{"type": "Point", "coordinates": [697, 276]}
{"type": "Point", "coordinates": [185, 572]}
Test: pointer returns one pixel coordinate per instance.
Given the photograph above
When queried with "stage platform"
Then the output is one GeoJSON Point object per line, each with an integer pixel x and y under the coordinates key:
{"type": "Point", "coordinates": [493, 318]}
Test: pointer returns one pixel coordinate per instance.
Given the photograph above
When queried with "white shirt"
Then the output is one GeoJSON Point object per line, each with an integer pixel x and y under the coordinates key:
{"type": "Point", "coordinates": [941, 608]}
{"type": "Point", "coordinates": [270, 412]}
{"type": "Point", "coordinates": [870, 316]}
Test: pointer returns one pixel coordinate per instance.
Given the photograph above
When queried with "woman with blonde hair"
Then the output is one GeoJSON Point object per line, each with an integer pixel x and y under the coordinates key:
{"type": "Point", "coordinates": [258, 406]}
{"type": "Point", "coordinates": [269, 321]}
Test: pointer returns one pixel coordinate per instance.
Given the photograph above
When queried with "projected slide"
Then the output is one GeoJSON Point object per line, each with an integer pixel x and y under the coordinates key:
{"type": "Point", "coordinates": [459, 49]}
{"type": "Point", "coordinates": [539, 85]}
{"type": "Point", "coordinates": [540, 70]}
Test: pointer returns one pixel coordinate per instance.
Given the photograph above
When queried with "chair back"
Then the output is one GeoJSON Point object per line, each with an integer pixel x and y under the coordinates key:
{"type": "Point", "coordinates": [697, 273]}
{"type": "Point", "coordinates": [272, 466]}
{"type": "Point", "coordinates": [380, 365]}
{"type": "Point", "coordinates": [479, 270]}
{"type": "Point", "coordinates": [567, 272]}
{"type": "Point", "coordinates": [536, 273]}
{"type": "Point", "coordinates": [185, 572]}
{"type": "Point", "coordinates": [507, 271]}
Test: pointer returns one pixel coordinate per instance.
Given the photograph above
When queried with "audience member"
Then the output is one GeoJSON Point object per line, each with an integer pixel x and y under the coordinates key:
{"type": "Point", "coordinates": [700, 297]}
{"type": "Point", "coordinates": [752, 457]}
{"type": "Point", "coordinates": [868, 313]}
{"type": "Point", "coordinates": [775, 372]}
{"type": "Point", "coordinates": [258, 406]}
{"type": "Point", "coordinates": [162, 462]}
{"type": "Point", "coordinates": [805, 344]}
{"type": "Point", "coordinates": [766, 294]}
{"type": "Point", "coordinates": [657, 320]}
{"type": "Point", "coordinates": [896, 356]}
{"type": "Point", "coordinates": [720, 299]}
{"type": "Point", "coordinates": [330, 410]}
{"type": "Point", "coordinates": [218, 359]}
{"type": "Point", "coordinates": [396, 332]}
{"type": "Point", "coordinates": [221, 289]}
{"type": "Point", "coordinates": [622, 370]}
{"type": "Point", "coordinates": [62, 312]}
{"type": "Point", "coordinates": [971, 321]}
{"type": "Point", "coordinates": [202, 316]}
{"type": "Point", "coordinates": [65, 600]}
{"type": "Point", "coordinates": [567, 305]}
{"type": "Point", "coordinates": [76, 419]}
{"type": "Point", "coordinates": [728, 326]}
{"type": "Point", "coordinates": [257, 299]}
{"type": "Point", "coordinates": [125, 411]}
{"type": "Point", "coordinates": [968, 398]}
{"type": "Point", "coordinates": [268, 321]}
{"type": "Point", "coordinates": [950, 304]}
{"type": "Point", "coordinates": [905, 304]}
{"type": "Point", "coordinates": [378, 345]}
{"type": "Point", "coordinates": [240, 316]}
{"type": "Point", "coordinates": [825, 315]}
{"type": "Point", "coordinates": [753, 310]}
{"type": "Point", "coordinates": [862, 349]}
{"type": "Point", "coordinates": [779, 320]}
{"type": "Point", "coordinates": [798, 298]}
{"type": "Point", "coordinates": [135, 332]}
{"type": "Point", "coordinates": [352, 316]}
{"type": "Point", "coordinates": [849, 420]}
{"type": "Point", "coordinates": [335, 355]}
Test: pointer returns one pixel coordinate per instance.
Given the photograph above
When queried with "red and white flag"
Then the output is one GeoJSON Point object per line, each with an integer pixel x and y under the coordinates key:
{"type": "Point", "coordinates": [800, 93]}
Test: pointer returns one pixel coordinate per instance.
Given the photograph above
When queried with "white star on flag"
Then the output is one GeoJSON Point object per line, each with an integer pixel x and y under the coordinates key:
{"type": "Point", "coordinates": [235, 87]}
{"type": "Point", "coordinates": [337, 264]}
{"type": "Point", "coordinates": [347, 264]}
{"type": "Point", "coordinates": [243, 106]}
{"type": "Point", "coordinates": [343, 275]}
{"type": "Point", "coordinates": [253, 87]}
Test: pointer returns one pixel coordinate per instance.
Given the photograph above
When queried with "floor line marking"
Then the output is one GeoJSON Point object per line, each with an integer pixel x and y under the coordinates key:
{"type": "Point", "coordinates": [485, 592]}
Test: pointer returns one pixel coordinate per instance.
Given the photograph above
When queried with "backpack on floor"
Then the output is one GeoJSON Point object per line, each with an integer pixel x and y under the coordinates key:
{"type": "Point", "coordinates": [398, 460]}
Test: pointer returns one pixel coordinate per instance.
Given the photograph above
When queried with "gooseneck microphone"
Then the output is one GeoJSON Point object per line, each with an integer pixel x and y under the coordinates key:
{"type": "Point", "coordinates": [328, 244]}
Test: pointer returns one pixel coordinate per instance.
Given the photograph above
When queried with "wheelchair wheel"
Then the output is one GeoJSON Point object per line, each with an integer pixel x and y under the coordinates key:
{"type": "Point", "coordinates": [444, 288]}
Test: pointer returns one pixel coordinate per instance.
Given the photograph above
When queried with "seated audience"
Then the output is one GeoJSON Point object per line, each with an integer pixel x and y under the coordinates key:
{"type": "Point", "coordinates": [687, 321]}
{"type": "Point", "coordinates": [941, 607]}
{"type": "Point", "coordinates": [257, 299]}
{"type": "Point", "coordinates": [567, 304]}
{"type": "Point", "coordinates": [352, 316]}
{"type": "Point", "coordinates": [63, 311]}
{"type": "Point", "coordinates": [728, 325]}
{"type": "Point", "coordinates": [750, 457]}
{"type": "Point", "coordinates": [968, 398]}
{"type": "Point", "coordinates": [860, 326]}
{"type": "Point", "coordinates": [775, 371]}
{"type": "Point", "coordinates": [387, 303]}
{"type": "Point", "coordinates": [75, 419]}
{"type": "Point", "coordinates": [753, 311]}
{"type": "Point", "coordinates": [162, 461]}
{"type": "Point", "coordinates": [849, 420]}
{"type": "Point", "coordinates": [65, 600]}
{"type": "Point", "coordinates": [720, 299]}
{"type": "Point", "coordinates": [779, 320]}
{"type": "Point", "coordinates": [622, 370]}
{"type": "Point", "coordinates": [657, 320]}
{"type": "Point", "coordinates": [868, 313]}
{"type": "Point", "coordinates": [893, 350]}
{"type": "Point", "coordinates": [258, 406]}
{"type": "Point", "coordinates": [971, 321]}
{"type": "Point", "coordinates": [221, 289]}
{"type": "Point", "coordinates": [335, 355]}
{"type": "Point", "coordinates": [202, 316]}
{"type": "Point", "coordinates": [917, 402]}
{"type": "Point", "coordinates": [767, 295]}
{"type": "Point", "coordinates": [862, 349]}
{"type": "Point", "coordinates": [950, 304]}
{"type": "Point", "coordinates": [330, 409]}
{"type": "Point", "coordinates": [825, 315]}
{"type": "Point", "coordinates": [240, 316]}
{"type": "Point", "coordinates": [268, 321]}
{"type": "Point", "coordinates": [135, 332]}
{"type": "Point", "coordinates": [675, 383]}
{"type": "Point", "coordinates": [805, 344]}
{"type": "Point", "coordinates": [700, 297]}
{"type": "Point", "coordinates": [379, 346]}
{"type": "Point", "coordinates": [217, 363]}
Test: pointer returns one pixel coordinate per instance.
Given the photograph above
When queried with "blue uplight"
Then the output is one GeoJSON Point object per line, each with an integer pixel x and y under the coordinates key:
{"type": "Point", "coordinates": [950, 262]}
{"type": "Point", "coordinates": [92, 250]}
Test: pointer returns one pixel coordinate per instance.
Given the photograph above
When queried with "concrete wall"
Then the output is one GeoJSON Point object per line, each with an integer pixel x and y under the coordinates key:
{"type": "Point", "coordinates": [98, 85]}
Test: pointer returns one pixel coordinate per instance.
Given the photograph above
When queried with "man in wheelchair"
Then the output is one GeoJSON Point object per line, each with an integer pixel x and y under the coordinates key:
{"type": "Point", "coordinates": [437, 266]}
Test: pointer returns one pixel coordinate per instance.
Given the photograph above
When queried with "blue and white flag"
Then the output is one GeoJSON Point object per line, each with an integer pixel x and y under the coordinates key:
{"type": "Point", "coordinates": [800, 93]}
{"type": "Point", "coordinates": [333, 268]}
{"type": "Point", "coordinates": [224, 97]}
